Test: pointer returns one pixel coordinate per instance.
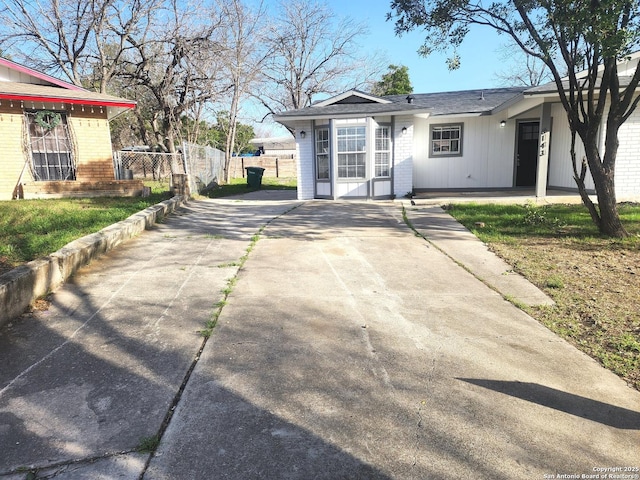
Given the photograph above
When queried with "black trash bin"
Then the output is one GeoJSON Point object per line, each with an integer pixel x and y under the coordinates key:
{"type": "Point", "coordinates": [254, 176]}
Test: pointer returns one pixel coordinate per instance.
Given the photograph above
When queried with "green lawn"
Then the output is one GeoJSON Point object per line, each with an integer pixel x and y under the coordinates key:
{"type": "Point", "coordinates": [31, 229]}
{"type": "Point", "coordinates": [595, 281]}
{"type": "Point", "coordinates": [239, 186]}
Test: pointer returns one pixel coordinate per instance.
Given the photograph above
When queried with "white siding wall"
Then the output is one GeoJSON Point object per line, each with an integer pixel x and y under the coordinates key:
{"type": "Point", "coordinates": [560, 167]}
{"type": "Point", "coordinates": [628, 159]}
{"type": "Point", "coordinates": [403, 156]}
{"type": "Point", "coordinates": [627, 162]}
{"type": "Point", "coordinates": [487, 159]}
{"type": "Point", "coordinates": [304, 151]}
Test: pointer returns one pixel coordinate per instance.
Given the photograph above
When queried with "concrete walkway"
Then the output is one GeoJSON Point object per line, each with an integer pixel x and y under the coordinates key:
{"type": "Point", "coordinates": [348, 347]}
{"type": "Point", "coordinates": [453, 239]}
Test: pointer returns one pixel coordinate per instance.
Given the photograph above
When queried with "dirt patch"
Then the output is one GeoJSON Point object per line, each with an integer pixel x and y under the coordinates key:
{"type": "Point", "coordinates": [5, 265]}
{"type": "Point", "coordinates": [596, 287]}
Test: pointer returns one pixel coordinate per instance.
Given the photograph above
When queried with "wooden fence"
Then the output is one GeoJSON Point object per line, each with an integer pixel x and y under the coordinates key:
{"type": "Point", "coordinates": [284, 166]}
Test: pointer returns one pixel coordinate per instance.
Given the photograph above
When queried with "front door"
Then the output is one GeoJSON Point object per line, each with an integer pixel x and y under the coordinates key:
{"type": "Point", "coordinates": [527, 154]}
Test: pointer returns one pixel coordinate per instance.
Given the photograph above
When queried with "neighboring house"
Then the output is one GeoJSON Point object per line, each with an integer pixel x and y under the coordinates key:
{"type": "Point", "coordinates": [284, 147]}
{"type": "Point", "coordinates": [55, 138]}
{"type": "Point", "coordinates": [357, 145]}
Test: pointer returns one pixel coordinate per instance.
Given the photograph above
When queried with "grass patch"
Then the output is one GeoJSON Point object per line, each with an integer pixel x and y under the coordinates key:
{"type": "Point", "coordinates": [594, 280]}
{"type": "Point", "coordinates": [211, 324]}
{"type": "Point", "coordinates": [31, 229]}
{"type": "Point", "coordinates": [148, 444]}
{"type": "Point", "coordinates": [238, 186]}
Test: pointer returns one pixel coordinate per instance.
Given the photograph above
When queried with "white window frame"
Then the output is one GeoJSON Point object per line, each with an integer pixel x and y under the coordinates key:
{"type": "Point", "coordinates": [323, 153]}
{"type": "Point", "coordinates": [382, 152]}
{"type": "Point", "coordinates": [351, 154]}
{"type": "Point", "coordinates": [450, 136]}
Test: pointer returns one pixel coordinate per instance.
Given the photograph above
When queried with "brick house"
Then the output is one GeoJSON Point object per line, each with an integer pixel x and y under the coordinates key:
{"type": "Point", "coordinates": [357, 145]}
{"type": "Point", "coordinates": [56, 139]}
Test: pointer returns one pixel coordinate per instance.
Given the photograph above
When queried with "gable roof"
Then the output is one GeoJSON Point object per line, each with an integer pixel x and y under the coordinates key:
{"type": "Point", "coordinates": [351, 97]}
{"type": "Point", "coordinates": [466, 102]}
{"type": "Point", "coordinates": [30, 87]}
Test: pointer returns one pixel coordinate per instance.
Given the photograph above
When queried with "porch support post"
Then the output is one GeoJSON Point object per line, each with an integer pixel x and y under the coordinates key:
{"type": "Point", "coordinates": [333, 159]}
{"type": "Point", "coordinates": [543, 151]}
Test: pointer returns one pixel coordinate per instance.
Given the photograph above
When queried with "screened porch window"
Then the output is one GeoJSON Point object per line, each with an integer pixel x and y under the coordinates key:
{"type": "Point", "coordinates": [51, 149]}
{"type": "Point", "coordinates": [351, 152]}
{"type": "Point", "coordinates": [322, 153]}
{"type": "Point", "coordinates": [446, 140]}
{"type": "Point", "coordinates": [383, 152]}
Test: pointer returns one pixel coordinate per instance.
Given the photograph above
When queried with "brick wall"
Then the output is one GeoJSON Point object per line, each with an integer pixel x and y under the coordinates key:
{"type": "Point", "coordinates": [403, 156]}
{"type": "Point", "coordinates": [91, 134]}
{"type": "Point", "coordinates": [304, 149]}
{"type": "Point", "coordinates": [71, 188]}
{"type": "Point", "coordinates": [12, 159]}
{"type": "Point", "coordinates": [93, 140]}
{"type": "Point", "coordinates": [628, 159]}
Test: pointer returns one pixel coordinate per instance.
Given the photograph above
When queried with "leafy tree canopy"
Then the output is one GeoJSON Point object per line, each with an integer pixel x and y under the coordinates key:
{"type": "Point", "coordinates": [215, 135]}
{"type": "Point", "coordinates": [395, 82]}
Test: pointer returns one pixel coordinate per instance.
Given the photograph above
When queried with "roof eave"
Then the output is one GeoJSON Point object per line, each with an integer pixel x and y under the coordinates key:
{"type": "Point", "coordinates": [114, 107]}
{"type": "Point", "coordinates": [461, 114]}
{"type": "Point", "coordinates": [329, 116]}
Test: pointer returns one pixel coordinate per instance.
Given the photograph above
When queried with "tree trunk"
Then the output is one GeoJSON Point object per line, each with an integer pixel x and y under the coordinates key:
{"type": "Point", "coordinates": [610, 223]}
{"type": "Point", "coordinates": [603, 173]}
{"type": "Point", "coordinates": [231, 134]}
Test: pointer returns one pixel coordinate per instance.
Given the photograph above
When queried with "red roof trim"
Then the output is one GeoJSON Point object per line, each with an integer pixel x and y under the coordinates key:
{"type": "Point", "coordinates": [75, 101]}
{"type": "Point", "coordinates": [41, 76]}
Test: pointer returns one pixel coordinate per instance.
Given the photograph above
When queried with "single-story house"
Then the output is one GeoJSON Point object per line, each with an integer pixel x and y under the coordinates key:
{"type": "Point", "coordinates": [56, 139]}
{"type": "Point", "coordinates": [284, 147]}
{"type": "Point", "coordinates": [357, 145]}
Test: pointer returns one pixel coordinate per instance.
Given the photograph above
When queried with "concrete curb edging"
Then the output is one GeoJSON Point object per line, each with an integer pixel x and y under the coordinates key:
{"type": "Point", "coordinates": [22, 285]}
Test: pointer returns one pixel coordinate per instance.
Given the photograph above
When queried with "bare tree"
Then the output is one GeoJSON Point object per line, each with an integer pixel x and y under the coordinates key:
{"type": "Point", "coordinates": [122, 21]}
{"type": "Point", "coordinates": [242, 64]}
{"type": "Point", "coordinates": [83, 41]}
{"type": "Point", "coordinates": [174, 58]}
{"type": "Point", "coordinates": [524, 70]}
{"type": "Point", "coordinates": [63, 29]}
{"type": "Point", "coordinates": [162, 53]}
{"type": "Point", "coordinates": [310, 55]}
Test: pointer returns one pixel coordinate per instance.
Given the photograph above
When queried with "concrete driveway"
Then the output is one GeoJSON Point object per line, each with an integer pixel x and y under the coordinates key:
{"type": "Point", "coordinates": [348, 348]}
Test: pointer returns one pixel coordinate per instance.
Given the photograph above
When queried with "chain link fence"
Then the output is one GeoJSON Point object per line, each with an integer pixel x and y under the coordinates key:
{"type": "Point", "coordinates": [203, 166]}
{"type": "Point", "coordinates": [154, 169]}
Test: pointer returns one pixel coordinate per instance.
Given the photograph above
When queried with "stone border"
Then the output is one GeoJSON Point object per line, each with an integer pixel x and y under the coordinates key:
{"type": "Point", "coordinates": [24, 284]}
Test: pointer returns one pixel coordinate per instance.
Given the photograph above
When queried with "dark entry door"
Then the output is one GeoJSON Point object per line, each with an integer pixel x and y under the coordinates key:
{"type": "Point", "coordinates": [527, 154]}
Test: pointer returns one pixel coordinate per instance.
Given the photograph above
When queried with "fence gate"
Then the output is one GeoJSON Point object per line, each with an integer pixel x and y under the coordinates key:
{"type": "Point", "coordinates": [155, 169]}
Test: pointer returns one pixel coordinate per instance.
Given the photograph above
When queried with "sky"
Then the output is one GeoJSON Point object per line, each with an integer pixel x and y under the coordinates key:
{"type": "Point", "coordinates": [482, 52]}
